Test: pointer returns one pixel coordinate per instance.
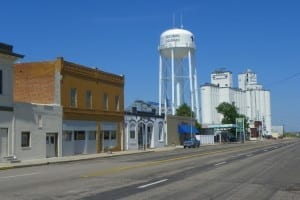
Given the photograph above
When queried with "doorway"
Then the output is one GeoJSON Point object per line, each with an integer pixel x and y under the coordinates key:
{"type": "Point", "coordinates": [3, 143]}
{"type": "Point", "coordinates": [51, 145]}
{"type": "Point", "coordinates": [149, 135]}
{"type": "Point", "coordinates": [141, 136]}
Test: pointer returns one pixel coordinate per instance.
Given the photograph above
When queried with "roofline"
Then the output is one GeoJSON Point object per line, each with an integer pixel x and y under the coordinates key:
{"type": "Point", "coordinates": [7, 49]}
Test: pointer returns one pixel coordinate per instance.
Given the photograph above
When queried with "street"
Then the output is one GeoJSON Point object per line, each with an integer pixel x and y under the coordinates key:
{"type": "Point", "coordinates": [263, 170]}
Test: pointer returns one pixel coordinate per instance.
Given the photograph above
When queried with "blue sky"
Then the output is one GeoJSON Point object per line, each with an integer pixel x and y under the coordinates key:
{"type": "Point", "coordinates": [122, 37]}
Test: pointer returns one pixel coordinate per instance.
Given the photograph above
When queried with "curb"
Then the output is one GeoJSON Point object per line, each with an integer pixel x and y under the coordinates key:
{"type": "Point", "coordinates": [12, 166]}
{"type": "Point", "coordinates": [6, 167]}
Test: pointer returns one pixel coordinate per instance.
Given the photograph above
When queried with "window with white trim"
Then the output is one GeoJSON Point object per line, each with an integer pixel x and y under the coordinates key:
{"type": "Point", "coordinates": [132, 131]}
{"type": "Point", "coordinates": [105, 101]}
{"type": "Point", "coordinates": [79, 135]}
{"type": "Point", "coordinates": [92, 135]}
{"type": "Point", "coordinates": [117, 103]}
{"type": "Point", "coordinates": [88, 99]}
{"type": "Point", "coordinates": [67, 135]}
{"type": "Point", "coordinates": [160, 132]}
{"type": "Point", "coordinates": [73, 97]}
{"type": "Point", "coordinates": [25, 139]}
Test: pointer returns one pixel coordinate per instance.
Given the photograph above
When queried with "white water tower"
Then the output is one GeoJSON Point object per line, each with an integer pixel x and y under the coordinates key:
{"type": "Point", "coordinates": [177, 72]}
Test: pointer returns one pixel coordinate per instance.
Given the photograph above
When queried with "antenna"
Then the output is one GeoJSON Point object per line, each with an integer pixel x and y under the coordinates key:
{"type": "Point", "coordinates": [181, 24]}
{"type": "Point", "coordinates": [173, 20]}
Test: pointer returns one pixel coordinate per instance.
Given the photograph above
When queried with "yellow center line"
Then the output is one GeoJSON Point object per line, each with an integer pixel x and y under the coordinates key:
{"type": "Point", "coordinates": [158, 162]}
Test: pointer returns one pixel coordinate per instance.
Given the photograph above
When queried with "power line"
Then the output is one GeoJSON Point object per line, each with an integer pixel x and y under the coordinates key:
{"type": "Point", "coordinates": [285, 79]}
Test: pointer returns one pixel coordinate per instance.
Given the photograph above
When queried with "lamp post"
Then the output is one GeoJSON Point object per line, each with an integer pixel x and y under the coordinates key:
{"type": "Point", "coordinates": [191, 123]}
{"type": "Point", "coordinates": [240, 128]}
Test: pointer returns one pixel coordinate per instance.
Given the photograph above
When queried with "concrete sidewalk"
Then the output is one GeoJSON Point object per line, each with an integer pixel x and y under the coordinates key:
{"type": "Point", "coordinates": [64, 159]}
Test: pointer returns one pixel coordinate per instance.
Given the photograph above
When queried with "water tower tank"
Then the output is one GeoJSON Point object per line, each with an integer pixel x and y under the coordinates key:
{"type": "Point", "coordinates": [177, 71]}
{"type": "Point", "coordinates": [178, 40]}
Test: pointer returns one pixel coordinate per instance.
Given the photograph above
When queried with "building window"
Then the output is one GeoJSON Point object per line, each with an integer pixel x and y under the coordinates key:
{"type": "Point", "coordinates": [25, 139]}
{"type": "Point", "coordinates": [109, 135]}
{"type": "Point", "coordinates": [92, 135]}
{"type": "Point", "coordinates": [113, 135]}
{"type": "Point", "coordinates": [117, 103]}
{"type": "Point", "coordinates": [67, 135]}
{"type": "Point", "coordinates": [73, 97]}
{"type": "Point", "coordinates": [88, 99]}
{"type": "Point", "coordinates": [105, 101]}
{"type": "Point", "coordinates": [160, 132]}
{"type": "Point", "coordinates": [109, 139]}
{"type": "Point", "coordinates": [106, 135]}
{"type": "Point", "coordinates": [1, 82]}
{"type": "Point", "coordinates": [132, 131]}
{"type": "Point", "coordinates": [40, 121]}
{"type": "Point", "coordinates": [79, 135]}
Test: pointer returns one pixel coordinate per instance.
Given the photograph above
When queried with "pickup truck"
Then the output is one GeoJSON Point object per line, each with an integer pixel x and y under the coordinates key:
{"type": "Point", "coordinates": [191, 142]}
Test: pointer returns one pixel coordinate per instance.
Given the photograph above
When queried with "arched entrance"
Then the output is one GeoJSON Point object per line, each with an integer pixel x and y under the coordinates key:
{"type": "Point", "coordinates": [141, 135]}
{"type": "Point", "coordinates": [145, 135]}
{"type": "Point", "coordinates": [150, 143]}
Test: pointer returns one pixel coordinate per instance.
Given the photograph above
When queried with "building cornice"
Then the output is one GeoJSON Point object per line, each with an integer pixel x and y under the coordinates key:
{"type": "Point", "coordinates": [77, 113]}
{"type": "Point", "coordinates": [90, 73]}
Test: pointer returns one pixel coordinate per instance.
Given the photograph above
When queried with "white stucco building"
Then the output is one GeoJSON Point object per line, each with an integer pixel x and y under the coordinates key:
{"type": "Point", "coordinates": [37, 131]}
{"type": "Point", "coordinates": [7, 59]}
{"type": "Point", "coordinates": [250, 98]}
{"type": "Point", "coordinates": [27, 131]}
{"type": "Point", "coordinates": [144, 128]}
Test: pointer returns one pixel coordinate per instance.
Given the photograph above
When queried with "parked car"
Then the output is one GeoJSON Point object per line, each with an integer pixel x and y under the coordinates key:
{"type": "Point", "coordinates": [191, 142]}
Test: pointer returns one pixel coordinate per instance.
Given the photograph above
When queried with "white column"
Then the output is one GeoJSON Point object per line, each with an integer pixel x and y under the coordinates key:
{"type": "Point", "coordinates": [160, 85]}
{"type": "Point", "coordinates": [122, 136]}
{"type": "Point", "coordinates": [178, 94]}
{"type": "Point", "coordinates": [173, 82]}
{"type": "Point", "coordinates": [191, 82]}
{"type": "Point", "coordinates": [12, 135]}
{"type": "Point", "coordinates": [196, 95]}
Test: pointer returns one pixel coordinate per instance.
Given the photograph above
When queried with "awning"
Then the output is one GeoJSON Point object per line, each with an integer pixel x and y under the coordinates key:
{"type": "Point", "coordinates": [186, 128]}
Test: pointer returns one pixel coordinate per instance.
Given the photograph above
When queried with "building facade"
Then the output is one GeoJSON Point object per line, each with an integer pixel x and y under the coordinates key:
{"type": "Point", "coordinates": [7, 59]}
{"type": "Point", "coordinates": [37, 131]}
{"type": "Point", "coordinates": [25, 128]}
{"type": "Point", "coordinates": [249, 98]}
{"type": "Point", "coordinates": [144, 128]}
{"type": "Point", "coordinates": [92, 102]}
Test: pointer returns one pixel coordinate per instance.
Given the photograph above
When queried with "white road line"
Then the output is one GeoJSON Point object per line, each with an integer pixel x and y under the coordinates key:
{"type": "Point", "coordinates": [20, 175]}
{"type": "Point", "coordinates": [221, 163]}
{"type": "Point", "coordinates": [149, 184]}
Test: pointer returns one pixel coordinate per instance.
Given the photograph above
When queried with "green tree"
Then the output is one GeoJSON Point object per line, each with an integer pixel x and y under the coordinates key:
{"type": "Point", "coordinates": [230, 113]}
{"type": "Point", "coordinates": [184, 110]}
{"type": "Point", "coordinates": [246, 123]}
{"type": "Point", "coordinates": [198, 126]}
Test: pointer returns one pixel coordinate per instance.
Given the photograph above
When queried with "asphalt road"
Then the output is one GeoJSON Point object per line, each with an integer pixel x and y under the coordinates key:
{"type": "Point", "coordinates": [237, 171]}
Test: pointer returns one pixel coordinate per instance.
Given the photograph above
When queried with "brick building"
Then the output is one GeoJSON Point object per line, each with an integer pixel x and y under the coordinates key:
{"type": "Point", "coordinates": [24, 127]}
{"type": "Point", "coordinates": [92, 102]}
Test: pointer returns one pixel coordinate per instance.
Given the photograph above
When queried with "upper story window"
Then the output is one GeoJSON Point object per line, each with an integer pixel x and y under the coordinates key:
{"type": "Point", "coordinates": [105, 101]}
{"type": "Point", "coordinates": [73, 97]}
{"type": "Point", "coordinates": [117, 103]}
{"type": "Point", "coordinates": [88, 99]}
{"type": "Point", "coordinates": [1, 81]}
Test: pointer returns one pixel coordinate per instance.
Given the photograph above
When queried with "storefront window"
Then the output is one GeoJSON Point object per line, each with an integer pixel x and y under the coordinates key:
{"type": "Point", "coordinates": [79, 135]}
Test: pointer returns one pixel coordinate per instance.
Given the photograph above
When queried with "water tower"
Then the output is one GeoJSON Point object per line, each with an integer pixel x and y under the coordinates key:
{"type": "Point", "coordinates": [177, 72]}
